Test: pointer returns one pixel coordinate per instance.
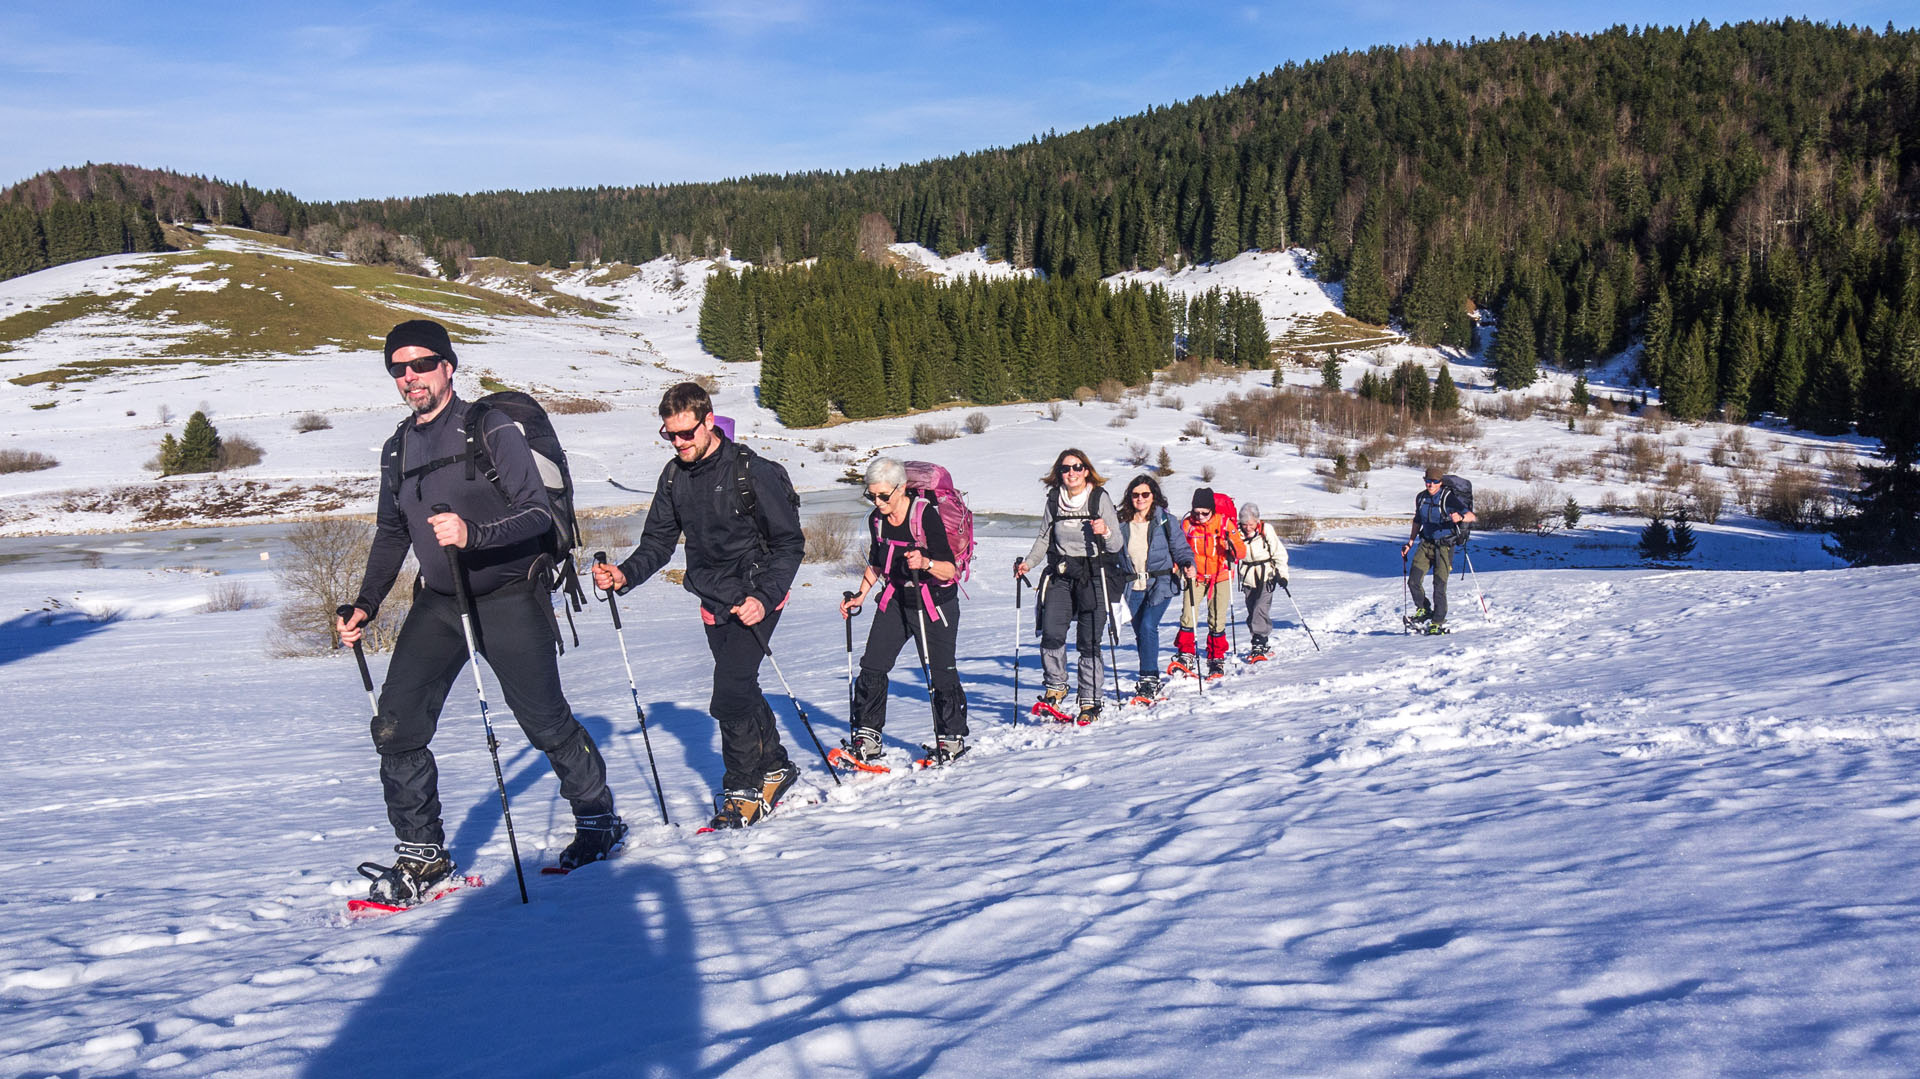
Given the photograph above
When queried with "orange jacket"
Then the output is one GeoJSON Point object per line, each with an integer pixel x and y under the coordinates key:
{"type": "Point", "coordinates": [1215, 548]}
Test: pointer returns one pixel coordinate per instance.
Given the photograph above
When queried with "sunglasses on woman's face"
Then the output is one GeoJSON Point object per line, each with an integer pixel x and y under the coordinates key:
{"type": "Point", "coordinates": [1143, 494]}
{"type": "Point", "coordinates": [1075, 467]}
{"type": "Point", "coordinates": [876, 499]}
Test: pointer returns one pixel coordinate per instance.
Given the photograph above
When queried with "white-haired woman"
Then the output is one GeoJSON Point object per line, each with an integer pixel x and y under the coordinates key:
{"type": "Point", "coordinates": [912, 556]}
{"type": "Point", "coordinates": [1263, 570]}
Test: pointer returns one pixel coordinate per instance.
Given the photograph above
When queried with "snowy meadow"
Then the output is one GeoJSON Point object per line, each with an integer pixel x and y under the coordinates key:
{"type": "Point", "coordinates": [1628, 820]}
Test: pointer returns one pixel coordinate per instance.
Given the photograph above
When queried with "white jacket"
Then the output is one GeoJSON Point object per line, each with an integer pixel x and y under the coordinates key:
{"type": "Point", "coordinates": [1266, 559]}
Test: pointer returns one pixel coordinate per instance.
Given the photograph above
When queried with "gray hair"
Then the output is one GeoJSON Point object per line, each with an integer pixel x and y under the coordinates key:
{"type": "Point", "coordinates": [1249, 512]}
{"type": "Point", "coordinates": [886, 472]}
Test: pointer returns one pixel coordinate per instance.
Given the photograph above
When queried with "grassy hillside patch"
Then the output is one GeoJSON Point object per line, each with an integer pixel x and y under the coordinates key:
{"type": "Point", "coordinates": [219, 305]}
{"type": "Point", "coordinates": [526, 280]}
{"type": "Point", "coordinates": [1330, 329]}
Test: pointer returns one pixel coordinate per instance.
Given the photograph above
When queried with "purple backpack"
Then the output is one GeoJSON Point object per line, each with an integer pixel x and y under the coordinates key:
{"type": "Point", "coordinates": [928, 482]}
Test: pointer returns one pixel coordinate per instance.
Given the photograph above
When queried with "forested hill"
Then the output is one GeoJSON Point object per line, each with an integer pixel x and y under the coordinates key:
{"type": "Point", "coordinates": [1744, 196]}
{"type": "Point", "coordinates": [1747, 195]}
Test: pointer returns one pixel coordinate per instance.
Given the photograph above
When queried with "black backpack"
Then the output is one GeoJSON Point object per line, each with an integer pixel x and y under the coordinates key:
{"type": "Point", "coordinates": [1459, 492]}
{"type": "Point", "coordinates": [549, 458]}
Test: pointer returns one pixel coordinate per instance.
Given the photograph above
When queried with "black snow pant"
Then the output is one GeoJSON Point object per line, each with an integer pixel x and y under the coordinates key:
{"type": "Point", "coordinates": [749, 738]}
{"type": "Point", "coordinates": [1438, 556]}
{"type": "Point", "coordinates": [1072, 602]}
{"type": "Point", "coordinates": [891, 630]}
{"type": "Point", "coordinates": [513, 627]}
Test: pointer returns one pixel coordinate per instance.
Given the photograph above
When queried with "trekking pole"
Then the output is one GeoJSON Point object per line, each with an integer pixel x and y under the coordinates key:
{"type": "Point", "coordinates": [1301, 617]}
{"type": "Point", "coordinates": [1476, 587]}
{"type": "Point", "coordinates": [804, 721]}
{"type": "Point", "coordinates": [1113, 636]}
{"type": "Point", "coordinates": [480, 688]}
{"type": "Point", "coordinates": [1019, 605]}
{"type": "Point", "coordinates": [848, 619]}
{"type": "Point", "coordinates": [1199, 680]}
{"type": "Point", "coordinates": [920, 639]}
{"type": "Point", "coordinates": [600, 558]}
{"type": "Point", "coordinates": [1406, 593]}
{"type": "Point", "coordinates": [345, 612]}
{"type": "Point", "coordinates": [1232, 626]}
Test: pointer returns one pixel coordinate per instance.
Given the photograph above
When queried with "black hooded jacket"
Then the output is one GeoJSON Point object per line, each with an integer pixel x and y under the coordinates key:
{"type": "Point", "coordinates": [731, 554]}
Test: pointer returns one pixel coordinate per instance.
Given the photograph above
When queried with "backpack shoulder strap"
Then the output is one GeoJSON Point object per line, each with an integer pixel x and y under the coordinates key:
{"type": "Point", "coordinates": [479, 461]}
{"type": "Point", "coordinates": [391, 463]}
{"type": "Point", "coordinates": [742, 483]}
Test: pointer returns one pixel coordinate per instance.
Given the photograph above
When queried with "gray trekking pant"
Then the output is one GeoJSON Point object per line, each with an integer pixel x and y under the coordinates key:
{"type": "Point", "coordinates": [1438, 557]}
{"type": "Point", "coordinates": [1259, 606]}
{"type": "Point", "coordinates": [1065, 602]}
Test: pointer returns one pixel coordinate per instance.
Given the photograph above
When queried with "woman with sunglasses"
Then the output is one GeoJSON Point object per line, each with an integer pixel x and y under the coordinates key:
{"type": "Point", "coordinates": [1156, 556]}
{"type": "Point", "coordinates": [1078, 537]}
{"type": "Point", "coordinates": [921, 602]}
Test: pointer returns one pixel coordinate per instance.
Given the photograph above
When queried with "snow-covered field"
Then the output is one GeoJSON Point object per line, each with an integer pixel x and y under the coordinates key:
{"type": "Point", "coordinates": [1634, 821]}
{"type": "Point", "coordinates": [1638, 822]}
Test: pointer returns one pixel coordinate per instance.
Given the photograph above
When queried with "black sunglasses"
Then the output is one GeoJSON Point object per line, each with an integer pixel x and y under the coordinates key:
{"type": "Point", "coordinates": [679, 436]}
{"type": "Point", "coordinates": [1143, 493]}
{"type": "Point", "coordinates": [1064, 469]}
{"type": "Point", "coordinates": [877, 499]}
{"type": "Point", "coordinates": [421, 366]}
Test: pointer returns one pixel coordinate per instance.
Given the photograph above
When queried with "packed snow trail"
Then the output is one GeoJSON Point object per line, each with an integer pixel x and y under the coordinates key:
{"type": "Point", "coordinates": [1642, 822]}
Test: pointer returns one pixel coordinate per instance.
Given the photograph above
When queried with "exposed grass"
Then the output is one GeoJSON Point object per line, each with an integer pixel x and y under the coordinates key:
{"type": "Point", "coordinates": [1330, 329]}
{"type": "Point", "coordinates": [522, 277]}
{"type": "Point", "coordinates": [570, 406]}
{"type": "Point", "coordinates": [613, 274]}
{"type": "Point", "coordinates": [268, 305]}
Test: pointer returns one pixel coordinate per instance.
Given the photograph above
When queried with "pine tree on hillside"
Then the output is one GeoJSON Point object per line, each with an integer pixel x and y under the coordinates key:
{"type": "Point", "coordinates": [803, 393]}
{"type": "Point", "coordinates": [199, 449]}
{"type": "Point", "coordinates": [1446, 395]}
{"type": "Point", "coordinates": [1682, 539]}
{"type": "Point", "coordinates": [1656, 542]}
{"type": "Point", "coordinates": [1330, 371]}
{"type": "Point", "coordinates": [1688, 392]}
{"type": "Point", "coordinates": [1365, 296]}
{"type": "Point", "coordinates": [1514, 363]}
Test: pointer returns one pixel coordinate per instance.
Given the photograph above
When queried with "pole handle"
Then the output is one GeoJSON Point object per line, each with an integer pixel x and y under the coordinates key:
{"type": "Point", "coordinates": [344, 612]}
{"type": "Point", "coordinates": [600, 559]}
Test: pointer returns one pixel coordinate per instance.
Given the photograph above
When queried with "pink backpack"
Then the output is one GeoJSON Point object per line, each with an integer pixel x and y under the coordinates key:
{"type": "Point", "coordinates": [928, 482]}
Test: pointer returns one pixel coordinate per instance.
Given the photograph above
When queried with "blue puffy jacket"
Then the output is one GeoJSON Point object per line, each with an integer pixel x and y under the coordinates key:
{"type": "Point", "coordinates": [1166, 547]}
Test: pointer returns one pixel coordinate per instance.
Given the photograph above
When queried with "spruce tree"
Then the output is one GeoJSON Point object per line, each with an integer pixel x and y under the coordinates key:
{"type": "Point", "coordinates": [1330, 371]}
{"type": "Point", "coordinates": [1688, 392]}
{"type": "Point", "coordinates": [803, 393]}
{"type": "Point", "coordinates": [1683, 541]}
{"type": "Point", "coordinates": [1365, 295]}
{"type": "Point", "coordinates": [1446, 395]}
{"type": "Point", "coordinates": [1656, 542]}
{"type": "Point", "coordinates": [1582, 398]}
{"type": "Point", "coordinates": [199, 447]}
{"type": "Point", "coordinates": [1514, 364]}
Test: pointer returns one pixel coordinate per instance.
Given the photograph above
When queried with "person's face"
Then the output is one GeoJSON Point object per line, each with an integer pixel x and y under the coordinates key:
{"type": "Point", "coordinates": [886, 499]}
{"type": "Point", "coordinates": [691, 439]}
{"type": "Point", "coordinates": [1433, 487]}
{"type": "Point", "coordinates": [1201, 517]}
{"type": "Point", "coordinates": [1073, 473]}
{"type": "Point", "coordinates": [423, 391]}
{"type": "Point", "coordinates": [1141, 500]}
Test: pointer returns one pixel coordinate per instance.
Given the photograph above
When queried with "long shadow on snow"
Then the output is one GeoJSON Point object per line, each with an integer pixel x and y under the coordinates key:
{"type": "Point", "coordinates": [605, 982]}
{"type": "Point", "coordinates": [38, 631]}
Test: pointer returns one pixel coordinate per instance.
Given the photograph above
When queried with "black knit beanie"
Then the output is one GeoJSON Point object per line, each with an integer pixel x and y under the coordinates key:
{"type": "Point", "coordinates": [1203, 498]}
{"type": "Point", "coordinates": [425, 333]}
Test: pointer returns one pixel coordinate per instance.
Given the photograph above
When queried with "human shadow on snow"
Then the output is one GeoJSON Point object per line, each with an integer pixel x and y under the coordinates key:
{"type": "Point", "coordinates": [598, 975]}
{"type": "Point", "coordinates": [43, 631]}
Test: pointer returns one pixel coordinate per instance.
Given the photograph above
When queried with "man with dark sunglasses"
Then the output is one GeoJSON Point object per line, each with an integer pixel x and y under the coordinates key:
{"type": "Point", "coordinates": [499, 529]}
{"type": "Point", "coordinates": [741, 520]}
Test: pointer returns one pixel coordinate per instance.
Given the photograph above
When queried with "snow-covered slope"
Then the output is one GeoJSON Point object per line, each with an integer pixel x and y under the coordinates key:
{"type": "Point", "coordinates": [1636, 822]}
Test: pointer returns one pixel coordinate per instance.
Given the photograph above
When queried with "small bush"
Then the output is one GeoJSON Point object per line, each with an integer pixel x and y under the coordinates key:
{"type": "Point", "coordinates": [574, 406]}
{"type": "Point", "coordinates": [238, 452]}
{"type": "Point", "coordinates": [830, 537]}
{"type": "Point", "coordinates": [311, 421]}
{"type": "Point", "coordinates": [1138, 453]}
{"type": "Point", "coordinates": [1532, 512]}
{"type": "Point", "coordinates": [928, 433]}
{"type": "Point", "coordinates": [614, 535]}
{"type": "Point", "coordinates": [1206, 474]}
{"type": "Point", "coordinates": [1294, 531]}
{"type": "Point", "coordinates": [1120, 419]}
{"type": "Point", "coordinates": [1054, 410]}
{"type": "Point", "coordinates": [1163, 464]}
{"type": "Point", "coordinates": [1177, 403]}
{"type": "Point", "coordinates": [1792, 498]}
{"type": "Point", "coordinates": [977, 423]}
{"type": "Point", "coordinates": [1708, 498]}
{"type": "Point", "coordinates": [319, 571]}
{"type": "Point", "coordinates": [1111, 390]}
{"type": "Point", "coordinates": [1194, 429]}
{"type": "Point", "coordinates": [25, 461]}
{"type": "Point", "coordinates": [230, 596]}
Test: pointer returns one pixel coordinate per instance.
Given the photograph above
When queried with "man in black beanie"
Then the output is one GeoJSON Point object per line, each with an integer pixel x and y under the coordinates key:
{"type": "Point", "coordinates": [499, 526]}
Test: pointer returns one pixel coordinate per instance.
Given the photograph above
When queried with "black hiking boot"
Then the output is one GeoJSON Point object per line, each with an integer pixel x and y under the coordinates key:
{"type": "Point", "coordinates": [1089, 711]}
{"type": "Point", "coordinates": [417, 870]}
{"type": "Point", "coordinates": [595, 838]}
{"type": "Point", "coordinates": [774, 786]}
{"type": "Point", "coordinates": [1148, 688]}
{"type": "Point", "coordinates": [1216, 668]}
{"type": "Point", "coordinates": [946, 749]}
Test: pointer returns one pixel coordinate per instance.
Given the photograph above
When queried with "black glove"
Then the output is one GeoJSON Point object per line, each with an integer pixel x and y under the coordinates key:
{"type": "Point", "coordinates": [1283, 582]}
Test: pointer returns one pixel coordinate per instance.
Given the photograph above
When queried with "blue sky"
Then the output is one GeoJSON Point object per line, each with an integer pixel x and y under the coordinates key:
{"type": "Point", "coordinates": [369, 99]}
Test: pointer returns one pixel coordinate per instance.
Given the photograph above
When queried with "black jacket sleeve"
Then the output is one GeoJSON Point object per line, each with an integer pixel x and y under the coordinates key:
{"type": "Point", "coordinates": [658, 537]}
{"type": "Point", "coordinates": [779, 517]}
{"type": "Point", "coordinates": [388, 553]}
